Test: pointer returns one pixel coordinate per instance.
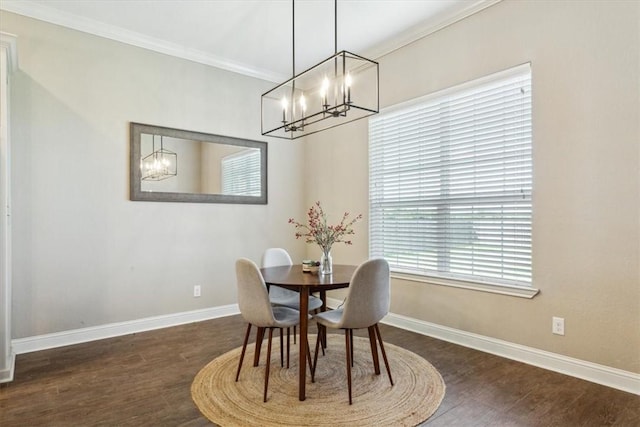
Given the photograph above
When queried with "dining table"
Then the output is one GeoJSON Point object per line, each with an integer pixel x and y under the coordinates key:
{"type": "Point", "coordinates": [294, 278]}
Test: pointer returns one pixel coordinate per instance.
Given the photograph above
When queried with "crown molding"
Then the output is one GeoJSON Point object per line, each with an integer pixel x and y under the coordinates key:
{"type": "Point", "coordinates": [426, 28]}
{"type": "Point", "coordinates": [90, 26]}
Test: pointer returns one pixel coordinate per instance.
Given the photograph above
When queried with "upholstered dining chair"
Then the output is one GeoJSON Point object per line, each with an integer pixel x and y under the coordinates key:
{"type": "Point", "coordinates": [278, 296]}
{"type": "Point", "coordinates": [273, 257]}
{"type": "Point", "coordinates": [367, 302]}
{"type": "Point", "coordinates": [256, 309]}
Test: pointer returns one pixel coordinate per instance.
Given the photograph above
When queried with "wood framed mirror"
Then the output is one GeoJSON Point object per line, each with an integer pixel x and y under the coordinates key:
{"type": "Point", "coordinates": [175, 165]}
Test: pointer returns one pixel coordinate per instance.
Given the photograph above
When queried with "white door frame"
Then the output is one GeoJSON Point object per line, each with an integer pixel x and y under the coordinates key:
{"type": "Point", "coordinates": [8, 64]}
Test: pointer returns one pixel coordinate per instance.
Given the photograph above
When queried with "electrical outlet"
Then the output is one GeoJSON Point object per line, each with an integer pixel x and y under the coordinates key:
{"type": "Point", "coordinates": [557, 325]}
{"type": "Point", "coordinates": [196, 291]}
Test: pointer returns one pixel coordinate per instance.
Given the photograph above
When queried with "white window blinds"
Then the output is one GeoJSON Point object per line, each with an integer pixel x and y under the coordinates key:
{"type": "Point", "coordinates": [241, 173]}
{"type": "Point", "coordinates": [450, 182]}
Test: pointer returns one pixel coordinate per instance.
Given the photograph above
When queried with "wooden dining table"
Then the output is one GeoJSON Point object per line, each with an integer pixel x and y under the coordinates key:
{"type": "Point", "coordinates": [292, 277]}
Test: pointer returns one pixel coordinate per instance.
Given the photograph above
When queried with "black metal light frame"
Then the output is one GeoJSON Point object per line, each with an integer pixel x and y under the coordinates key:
{"type": "Point", "coordinates": [344, 108]}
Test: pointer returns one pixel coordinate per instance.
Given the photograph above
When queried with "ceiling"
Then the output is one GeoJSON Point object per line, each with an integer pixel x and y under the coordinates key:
{"type": "Point", "coordinates": [254, 37]}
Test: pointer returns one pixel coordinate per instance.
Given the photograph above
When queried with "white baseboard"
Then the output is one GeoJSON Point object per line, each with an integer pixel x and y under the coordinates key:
{"type": "Point", "coordinates": [6, 375]}
{"type": "Point", "coordinates": [77, 336]}
{"type": "Point", "coordinates": [600, 374]}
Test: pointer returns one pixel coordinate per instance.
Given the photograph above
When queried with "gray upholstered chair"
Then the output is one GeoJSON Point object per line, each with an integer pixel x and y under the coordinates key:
{"type": "Point", "coordinates": [367, 303]}
{"type": "Point", "coordinates": [257, 310]}
{"type": "Point", "coordinates": [274, 257]}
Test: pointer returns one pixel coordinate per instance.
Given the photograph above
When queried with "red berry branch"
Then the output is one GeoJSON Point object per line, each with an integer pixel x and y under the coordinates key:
{"type": "Point", "coordinates": [318, 231]}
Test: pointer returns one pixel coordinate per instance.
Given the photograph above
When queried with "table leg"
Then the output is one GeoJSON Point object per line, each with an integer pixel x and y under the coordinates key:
{"type": "Point", "coordinates": [304, 320]}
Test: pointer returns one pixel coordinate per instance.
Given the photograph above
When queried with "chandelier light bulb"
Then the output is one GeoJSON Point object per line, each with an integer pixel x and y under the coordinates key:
{"type": "Point", "coordinates": [347, 82]}
{"type": "Point", "coordinates": [303, 104]}
{"type": "Point", "coordinates": [285, 103]}
{"type": "Point", "coordinates": [323, 92]}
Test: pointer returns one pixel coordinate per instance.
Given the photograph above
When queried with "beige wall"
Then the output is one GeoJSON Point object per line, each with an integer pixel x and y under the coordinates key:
{"type": "Point", "coordinates": [586, 223]}
{"type": "Point", "coordinates": [83, 254]}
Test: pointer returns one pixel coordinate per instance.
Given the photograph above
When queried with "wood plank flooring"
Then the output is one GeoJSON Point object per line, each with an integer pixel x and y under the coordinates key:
{"type": "Point", "coordinates": [144, 380]}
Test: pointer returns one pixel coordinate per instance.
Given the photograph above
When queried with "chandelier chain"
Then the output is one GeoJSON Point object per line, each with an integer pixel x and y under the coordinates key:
{"type": "Point", "coordinates": [293, 34]}
{"type": "Point", "coordinates": [335, 26]}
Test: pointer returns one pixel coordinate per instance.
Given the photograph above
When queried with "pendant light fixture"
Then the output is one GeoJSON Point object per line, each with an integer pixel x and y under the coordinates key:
{"type": "Point", "coordinates": [160, 164]}
{"type": "Point", "coordinates": [338, 90]}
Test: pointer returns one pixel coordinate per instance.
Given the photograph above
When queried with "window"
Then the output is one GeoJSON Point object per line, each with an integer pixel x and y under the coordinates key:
{"type": "Point", "coordinates": [241, 173]}
{"type": "Point", "coordinates": [450, 182]}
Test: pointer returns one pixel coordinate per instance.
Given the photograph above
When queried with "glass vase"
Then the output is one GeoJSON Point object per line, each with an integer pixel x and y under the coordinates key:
{"type": "Point", "coordinates": [326, 263]}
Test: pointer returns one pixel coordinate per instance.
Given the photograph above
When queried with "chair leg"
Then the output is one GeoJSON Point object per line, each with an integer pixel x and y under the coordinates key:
{"type": "Point", "coordinates": [244, 348]}
{"type": "Point", "coordinates": [288, 347]}
{"type": "Point", "coordinates": [266, 370]}
{"type": "Point", "coordinates": [259, 337]}
{"type": "Point", "coordinates": [323, 338]}
{"type": "Point", "coordinates": [384, 354]}
{"type": "Point", "coordinates": [309, 362]}
{"type": "Point", "coordinates": [347, 340]}
{"type": "Point", "coordinates": [294, 334]}
{"type": "Point", "coordinates": [281, 349]}
{"type": "Point", "coordinates": [351, 339]}
{"type": "Point", "coordinates": [321, 329]}
{"type": "Point", "coordinates": [374, 349]}
{"type": "Point", "coordinates": [322, 335]}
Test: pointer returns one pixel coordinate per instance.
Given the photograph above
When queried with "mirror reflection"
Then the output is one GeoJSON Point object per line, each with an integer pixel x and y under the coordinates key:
{"type": "Point", "coordinates": [177, 165]}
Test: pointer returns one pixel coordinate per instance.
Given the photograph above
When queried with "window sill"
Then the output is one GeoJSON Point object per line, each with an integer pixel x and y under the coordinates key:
{"type": "Point", "coordinates": [514, 291]}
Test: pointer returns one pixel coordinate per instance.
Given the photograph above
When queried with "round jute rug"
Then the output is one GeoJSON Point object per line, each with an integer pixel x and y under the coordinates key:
{"type": "Point", "coordinates": [416, 394]}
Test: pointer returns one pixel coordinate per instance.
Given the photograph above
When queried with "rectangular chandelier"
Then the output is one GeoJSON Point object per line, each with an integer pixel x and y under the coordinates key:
{"type": "Point", "coordinates": [160, 164]}
{"type": "Point", "coordinates": [339, 90]}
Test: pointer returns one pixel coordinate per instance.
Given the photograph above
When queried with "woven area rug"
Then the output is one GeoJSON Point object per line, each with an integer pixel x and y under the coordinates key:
{"type": "Point", "coordinates": [416, 394]}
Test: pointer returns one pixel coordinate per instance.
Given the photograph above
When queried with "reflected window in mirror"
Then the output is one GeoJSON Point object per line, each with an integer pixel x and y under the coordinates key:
{"type": "Point", "coordinates": [241, 173]}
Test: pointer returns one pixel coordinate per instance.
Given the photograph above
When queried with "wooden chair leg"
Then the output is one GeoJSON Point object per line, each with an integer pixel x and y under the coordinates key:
{"type": "Point", "coordinates": [294, 334]}
{"type": "Point", "coordinates": [374, 349]}
{"type": "Point", "coordinates": [309, 362]}
{"type": "Point", "coordinates": [266, 370]}
{"type": "Point", "coordinates": [347, 340]}
{"type": "Point", "coordinates": [315, 354]}
{"type": "Point", "coordinates": [256, 355]}
{"type": "Point", "coordinates": [244, 348]}
{"type": "Point", "coordinates": [384, 354]}
{"type": "Point", "coordinates": [322, 335]}
{"type": "Point", "coordinates": [351, 339]}
{"type": "Point", "coordinates": [323, 307]}
{"type": "Point", "coordinates": [281, 349]}
{"type": "Point", "coordinates": [288, 347]}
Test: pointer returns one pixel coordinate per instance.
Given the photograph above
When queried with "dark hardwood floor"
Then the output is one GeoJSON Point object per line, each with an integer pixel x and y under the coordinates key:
{"type": "Point", "coordinates": [144, 380]}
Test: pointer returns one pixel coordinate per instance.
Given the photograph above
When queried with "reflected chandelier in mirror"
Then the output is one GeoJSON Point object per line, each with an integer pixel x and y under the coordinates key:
{"type": "Point", "coordinates": [213, 168]}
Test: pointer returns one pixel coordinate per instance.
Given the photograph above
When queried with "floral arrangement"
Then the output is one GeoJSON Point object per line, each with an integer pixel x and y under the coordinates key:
{"type": "Point", "coordinates": [325, 235]}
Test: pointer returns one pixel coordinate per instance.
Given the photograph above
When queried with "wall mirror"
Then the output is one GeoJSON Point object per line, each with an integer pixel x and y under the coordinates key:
{"type": "Point", "coordinates": [174, 165]}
